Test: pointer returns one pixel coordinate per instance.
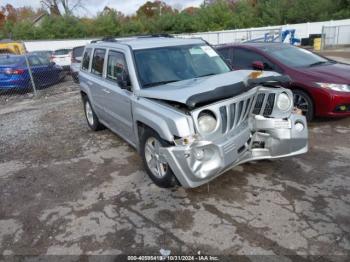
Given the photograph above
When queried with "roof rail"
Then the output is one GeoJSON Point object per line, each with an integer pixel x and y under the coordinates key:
{"type": "Point", "coordinates": [105, 39]}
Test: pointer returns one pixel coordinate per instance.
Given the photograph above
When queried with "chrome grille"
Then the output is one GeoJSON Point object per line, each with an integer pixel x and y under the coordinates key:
{"type": "Point", "coordinates": [269, 104]}
{"type": "Point", "coordinates": [234, 114]}
{"type": "Point", "coordinates": [264, 104]}
{"type": "Point", "coordinates": [258, 104]}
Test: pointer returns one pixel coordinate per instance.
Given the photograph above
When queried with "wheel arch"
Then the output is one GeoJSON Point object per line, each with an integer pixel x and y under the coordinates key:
{"type": "Point", "coordinates": [300, 88]}
{"type": "Point", "coordinates": [141, 126]}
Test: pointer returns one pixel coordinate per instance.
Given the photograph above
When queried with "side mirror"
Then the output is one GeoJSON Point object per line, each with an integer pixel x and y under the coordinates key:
{"type": "Point", "coordinates": [123, 80]}
{"type": "Point", "coordinates": [258, 65]}
{"type": "Point", "coordinates": [52, 63]}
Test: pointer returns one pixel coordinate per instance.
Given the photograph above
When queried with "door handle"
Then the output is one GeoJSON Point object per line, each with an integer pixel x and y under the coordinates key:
{"type": "Point", "coordinates": [106, 91]}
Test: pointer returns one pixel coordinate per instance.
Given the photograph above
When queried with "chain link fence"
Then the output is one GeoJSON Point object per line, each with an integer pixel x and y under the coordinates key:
{"type": "Point", "coordinates": [335, 36]}
{"type": "Point", "coordinates": [37, 74]}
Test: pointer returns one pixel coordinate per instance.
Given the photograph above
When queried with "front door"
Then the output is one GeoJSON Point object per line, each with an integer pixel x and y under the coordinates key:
{"type": "Point", "coordinates": [118, 100]}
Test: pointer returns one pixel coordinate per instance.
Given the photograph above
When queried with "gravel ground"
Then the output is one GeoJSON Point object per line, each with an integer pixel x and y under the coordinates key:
{"type": "Point", "coordinates": [66, 190]}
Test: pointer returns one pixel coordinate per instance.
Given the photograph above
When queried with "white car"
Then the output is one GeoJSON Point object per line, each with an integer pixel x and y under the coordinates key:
{"type": "Point", "coordinates": [62, 57]}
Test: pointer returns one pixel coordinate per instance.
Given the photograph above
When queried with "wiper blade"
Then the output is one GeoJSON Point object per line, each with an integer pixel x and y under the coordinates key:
{"type": "Point", "coordinates": [160, 83]}
{"type": "Point", "coordinates": [318, 63]}
{"type": "Point", "coordinates": [211, 74]}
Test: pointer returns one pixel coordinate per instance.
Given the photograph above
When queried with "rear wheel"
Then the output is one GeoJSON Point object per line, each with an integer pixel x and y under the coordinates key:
{"type": "Point", "coordinates": [90, 115]}
{"type": "Point", "coordinates": [156, 167]}
{"type": "Point", "coordinates": [303, 102]}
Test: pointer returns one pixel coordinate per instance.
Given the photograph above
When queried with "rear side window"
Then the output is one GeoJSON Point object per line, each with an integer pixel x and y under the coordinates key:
{"type": "Point", "coordinates": [116, 65]}
{"type": "Point", "coordinates": [98, 61]}
{"type": "Point", "coordinates": [86, 59]}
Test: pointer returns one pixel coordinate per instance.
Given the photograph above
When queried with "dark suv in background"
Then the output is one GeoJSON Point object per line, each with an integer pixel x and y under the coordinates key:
{"type": "Point", "coordinates": [321, 86]}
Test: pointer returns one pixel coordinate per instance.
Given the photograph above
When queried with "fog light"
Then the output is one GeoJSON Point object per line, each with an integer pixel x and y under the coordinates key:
{"type": "Point", "coordinates": [299, 126]}
{"type": "Point", "coordinates": [343, 108]}
{"type": "Point", "coordinates": [198, 154]}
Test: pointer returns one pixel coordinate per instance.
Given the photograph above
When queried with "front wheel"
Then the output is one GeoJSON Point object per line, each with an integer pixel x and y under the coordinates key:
{"type": "Point", "coordinates": [156, 167]}
{"type": "Point", "coordinates": [303, 102]}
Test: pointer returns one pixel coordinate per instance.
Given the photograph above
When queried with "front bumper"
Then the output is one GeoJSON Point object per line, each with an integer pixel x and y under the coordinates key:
{"type": "Point", "coordinates": [264, 138]}
{"type": "Point", "coordinates": [340, 101]}
{"type": "Point", "coordinates": [331, 104]}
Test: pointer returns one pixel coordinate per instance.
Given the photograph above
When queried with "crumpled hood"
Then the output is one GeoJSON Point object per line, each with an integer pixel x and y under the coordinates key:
{"type": "Point", "coordinates": [181, 91]}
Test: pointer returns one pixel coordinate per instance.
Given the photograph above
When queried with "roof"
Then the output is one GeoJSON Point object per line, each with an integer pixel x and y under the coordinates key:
{"type": "Point", "coordinates": [260, 45]}
{"type": "Point", "coordinates": [138, 43]}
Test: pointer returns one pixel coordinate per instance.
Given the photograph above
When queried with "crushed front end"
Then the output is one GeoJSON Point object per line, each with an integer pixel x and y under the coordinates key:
{"type": "Point", "coordinates": [258, 124]}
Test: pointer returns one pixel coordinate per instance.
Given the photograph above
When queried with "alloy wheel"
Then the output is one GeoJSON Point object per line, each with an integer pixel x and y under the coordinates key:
{"type": "Point", "coordinates": [154, 163]}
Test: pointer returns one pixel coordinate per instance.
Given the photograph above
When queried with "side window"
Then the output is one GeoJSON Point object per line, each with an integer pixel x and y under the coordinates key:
{"type": "Point", "coordinates": [34, 61]}
{"type": "Point", "coordinates": [244, 58]}
{"type": "Point", "coordinates": [86, 59]}
{"type": "Point", "coordinates": [225, 53]}
{"type": "Point", "coordinates": [44, 60]}
{"type": "Point", "coordinates": [98, 61]}
{"type": "Point", "coordinates": [116, 66]}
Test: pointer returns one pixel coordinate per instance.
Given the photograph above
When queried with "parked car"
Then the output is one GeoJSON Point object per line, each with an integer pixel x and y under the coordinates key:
{"type": "Point", "coordinates": [62, 57]}
{"type": "Point", "coordinates": [190, 117]}
{"type": "Point", "coordinates": [8, 46]}
{"type": "Point", "coordinates": [321, 86]}
{"type": "Point", "coordinates": [77, 54]}
{"type": "Point", "coordinates": [47, 54]}
{"type": "Point", "coordinates": [14, 72]}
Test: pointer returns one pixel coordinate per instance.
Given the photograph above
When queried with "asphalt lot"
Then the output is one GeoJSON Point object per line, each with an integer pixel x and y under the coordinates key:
{"type": "Point", "coordinates": [66, 190]}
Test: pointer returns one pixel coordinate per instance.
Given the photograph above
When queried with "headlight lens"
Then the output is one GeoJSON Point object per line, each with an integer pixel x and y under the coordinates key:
{"type": "Point", "coordinates": [284, 103]}
{"type": "Point", "coordinates": [206, 122]}
{"type": "Point", "coordinates": [335, 87]}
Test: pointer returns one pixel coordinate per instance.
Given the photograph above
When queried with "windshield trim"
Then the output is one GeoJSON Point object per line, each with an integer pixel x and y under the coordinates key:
{"type": "Point", "coordinates": [142, 86]}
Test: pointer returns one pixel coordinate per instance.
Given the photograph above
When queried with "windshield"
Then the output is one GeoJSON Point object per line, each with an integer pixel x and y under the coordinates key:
{"type": "Point", "coordinates": [171, 64]}
{"type": "Point", "coordinates": [296, 57]}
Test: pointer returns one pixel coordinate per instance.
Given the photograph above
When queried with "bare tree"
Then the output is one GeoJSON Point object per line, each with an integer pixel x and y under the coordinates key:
{"type": "Point", "coordinates": [60, 7]}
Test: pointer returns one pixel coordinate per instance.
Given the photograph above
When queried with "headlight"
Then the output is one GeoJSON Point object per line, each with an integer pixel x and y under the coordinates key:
{"type": "Point", "coordinates": [284, 103]}
{"type": "Point", "coordinates": [335, 87]}
{"type": "Point", "coordinates": [206, 122]}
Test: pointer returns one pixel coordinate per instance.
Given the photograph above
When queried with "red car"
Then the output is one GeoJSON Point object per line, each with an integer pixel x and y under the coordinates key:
{"type": "Point", "coordinates": [321, 86]}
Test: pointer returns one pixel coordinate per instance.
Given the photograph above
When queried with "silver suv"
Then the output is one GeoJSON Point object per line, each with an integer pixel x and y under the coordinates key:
{"type": "Point", "coordinates": [189, 116]}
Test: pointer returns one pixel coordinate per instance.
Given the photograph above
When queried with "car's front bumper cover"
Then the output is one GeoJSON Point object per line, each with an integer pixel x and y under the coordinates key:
{"type": "Point", "coordinates": [263, 138]}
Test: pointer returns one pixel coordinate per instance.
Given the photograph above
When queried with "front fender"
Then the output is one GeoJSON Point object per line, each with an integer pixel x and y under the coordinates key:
{"type": "Point", "coordinates": [165, 120]}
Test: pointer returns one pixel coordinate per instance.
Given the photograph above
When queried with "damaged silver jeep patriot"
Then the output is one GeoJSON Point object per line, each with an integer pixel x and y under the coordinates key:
{"type": "Point", "coordinates": [189, 116]}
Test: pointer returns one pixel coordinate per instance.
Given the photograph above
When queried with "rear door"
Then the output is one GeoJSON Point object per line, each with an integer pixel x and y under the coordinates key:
{"type": "Point", "coordinates": [117, 100]}
{"type": "Point", "coordinates": [41, 73]}
{"type": "Point", "coordinates": [95, 81]}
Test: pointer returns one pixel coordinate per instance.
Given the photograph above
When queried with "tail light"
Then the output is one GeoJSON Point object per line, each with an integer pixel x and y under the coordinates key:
{"type": "Point", "coordinates": [14, 71]}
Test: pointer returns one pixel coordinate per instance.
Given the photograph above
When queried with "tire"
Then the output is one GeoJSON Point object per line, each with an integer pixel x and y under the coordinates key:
{"type": "Point", "coordinates": [90, 115]}
{"type": "Point", "coordinates": [164, 178]}
{"type": "Point", "coordinates": [304, 102]}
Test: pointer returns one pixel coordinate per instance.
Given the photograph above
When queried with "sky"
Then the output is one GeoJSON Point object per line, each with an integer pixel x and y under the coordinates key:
{"type": "Point", "coordinates": [92, 7]}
